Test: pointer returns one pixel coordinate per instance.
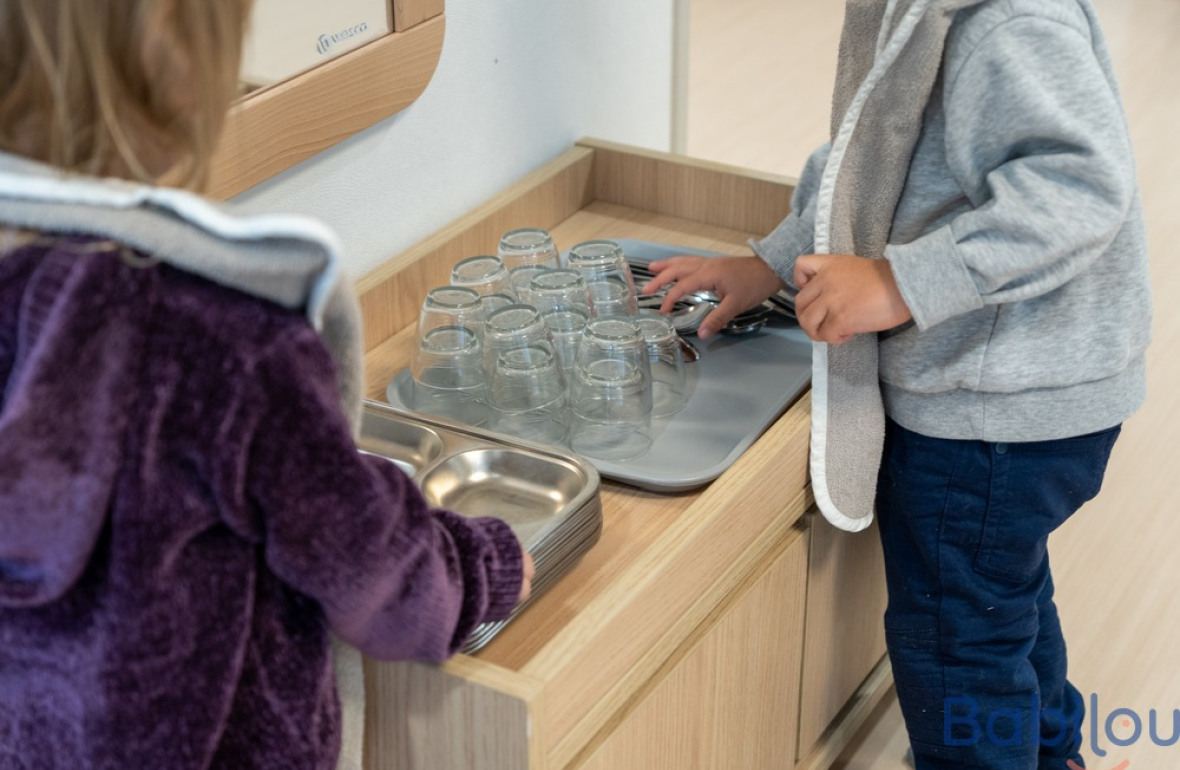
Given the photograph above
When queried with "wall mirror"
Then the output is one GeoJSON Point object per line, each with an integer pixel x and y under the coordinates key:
{"type": "Point", "coordinates": [315, 73]}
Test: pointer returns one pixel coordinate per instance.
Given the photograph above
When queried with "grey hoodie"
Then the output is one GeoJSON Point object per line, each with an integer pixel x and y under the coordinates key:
{"type": "Point", "coordinates": [1018, 244]}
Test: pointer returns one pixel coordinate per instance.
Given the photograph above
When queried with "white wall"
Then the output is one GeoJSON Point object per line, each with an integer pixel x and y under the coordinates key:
{"type": "Point", "coordinates": [519, 81]}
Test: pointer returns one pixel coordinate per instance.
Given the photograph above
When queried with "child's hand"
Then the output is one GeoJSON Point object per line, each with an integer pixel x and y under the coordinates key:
{"type": "Point", "coordinates": [526, 585]}
{"type": "Point", "coordinates": [842, 296]}
{"type": "Point", "coordinates": [740, 282]}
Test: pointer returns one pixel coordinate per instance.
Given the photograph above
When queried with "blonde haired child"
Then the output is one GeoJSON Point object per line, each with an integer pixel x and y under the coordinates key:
{"type": "Point", "coordinates": [184, 515]}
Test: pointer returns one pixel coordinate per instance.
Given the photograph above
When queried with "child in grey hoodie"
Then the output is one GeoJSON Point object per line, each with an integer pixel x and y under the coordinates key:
{"type": "Point", "coordinates": [1012, 314]}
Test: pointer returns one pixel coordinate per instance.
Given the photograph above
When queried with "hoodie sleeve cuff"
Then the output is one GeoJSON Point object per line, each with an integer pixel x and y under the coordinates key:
{"type": "Point", "coordinates": [783, 247]}
{"type": "Point", "coordinates": [505, 569]}
{"type": "Point", "coordinates": [933, 279]}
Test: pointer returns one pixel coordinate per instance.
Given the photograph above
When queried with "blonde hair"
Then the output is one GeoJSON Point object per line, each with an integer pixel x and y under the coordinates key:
{"type": "Point", "coordinates": [129, 88]}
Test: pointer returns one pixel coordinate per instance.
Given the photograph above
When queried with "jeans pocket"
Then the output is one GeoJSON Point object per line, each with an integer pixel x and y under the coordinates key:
{"type": "Point", "coordinates": [1036, 487]}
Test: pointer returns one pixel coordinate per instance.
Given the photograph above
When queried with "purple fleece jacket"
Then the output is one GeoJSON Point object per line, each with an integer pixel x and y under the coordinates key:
{"type": "Point", "coordinates": [184, 517]}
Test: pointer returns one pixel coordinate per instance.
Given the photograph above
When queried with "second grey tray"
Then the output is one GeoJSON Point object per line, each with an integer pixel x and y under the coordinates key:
{"type": "Point", "coordinates": [742, 385]}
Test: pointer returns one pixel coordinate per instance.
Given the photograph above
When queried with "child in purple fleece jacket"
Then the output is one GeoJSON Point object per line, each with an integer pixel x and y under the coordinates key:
{"type": "Point", "coordinates": [184, 516]}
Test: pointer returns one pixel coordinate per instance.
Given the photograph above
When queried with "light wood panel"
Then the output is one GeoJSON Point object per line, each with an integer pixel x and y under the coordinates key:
{"type": "Point", "coordinates": [421, 717]}
{"type": "Point", "coordinates": [273, 129]}
{"type": "Point", "coordinates": [411, 13]}
{"type": "Point", "coordinates": [858, 713]}
{"type": "Point", "coordinates": [391, 295]}
{"type": "Point", "coordinates": [624, 633]}
{"type": "Point", "coordinates": [703, 191]}
{"type": "Point", "coordinates": [845, 639]}
{"type": "Point", "coordinates": [729, 702]}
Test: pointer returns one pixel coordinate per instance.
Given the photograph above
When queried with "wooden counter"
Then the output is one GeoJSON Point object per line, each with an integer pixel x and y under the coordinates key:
{"type": "Point", "coordinates": [703, 630]}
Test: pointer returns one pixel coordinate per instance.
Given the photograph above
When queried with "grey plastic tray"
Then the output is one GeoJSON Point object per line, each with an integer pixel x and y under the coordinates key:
{"type": "Point", "coordinates": [742, 385]}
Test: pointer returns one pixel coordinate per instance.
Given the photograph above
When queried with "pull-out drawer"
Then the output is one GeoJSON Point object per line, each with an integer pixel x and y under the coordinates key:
{"type": "Point", "coordinates": [844, 639]}
{"type": "Point", "coordinates": [730, 702]}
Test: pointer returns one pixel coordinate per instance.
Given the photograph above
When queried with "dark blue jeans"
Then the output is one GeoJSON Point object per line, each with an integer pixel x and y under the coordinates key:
{"type": "Point", "coordinates": [973, 633]}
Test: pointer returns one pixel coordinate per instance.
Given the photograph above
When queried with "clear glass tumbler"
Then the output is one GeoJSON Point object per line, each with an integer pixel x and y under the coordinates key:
{"type": "Point", "coordinates": [528, 247]}
{"type": "Point", "coordinates": [522, 280]}
{"type": "Point", "coordinates": [451, 306]}
{"type": "Point", "coordinates": [511, 327]}
{"type": "Point", "coordinates": [613, 338]}
{"type": "Point", "coordinates": [528, 395]}
{"type": "Point", "coordinates": [611, 298]}
{"type": "Point", "coordinates": [565, 330]}
{"type": "Point", "coordinates": [611, 396]}
{"type": "Point", "coordinates": [610, 411]}
{"type": "Point", "coordinates": [669, 375]}
{"type": "Point", "coordinates": [604, 267]}
{"type": "Point", "coordinates": [554, 290]}
{"type": "Point", "coordinates": [486, 275]}
{"type": "Point", "coordinates": [493, 302]}
{"type": "Point", "coordinates": [448, 375]}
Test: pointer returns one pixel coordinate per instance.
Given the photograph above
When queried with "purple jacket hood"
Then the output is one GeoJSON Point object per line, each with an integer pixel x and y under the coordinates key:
{"type": "Point", "coordinates": [60, 439]}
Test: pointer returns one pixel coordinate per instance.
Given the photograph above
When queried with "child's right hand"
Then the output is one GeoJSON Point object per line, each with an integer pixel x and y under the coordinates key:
{"type": "Point", "coordinates": [526, 584]}
{"type": "Point", "coordinates": [741, 283]}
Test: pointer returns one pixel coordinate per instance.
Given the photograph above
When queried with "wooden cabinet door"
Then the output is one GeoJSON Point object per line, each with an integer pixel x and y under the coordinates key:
{"type": "Point", "coordinates": [844, 636]}
{"type": "Point", "coordinates": [732, 700]}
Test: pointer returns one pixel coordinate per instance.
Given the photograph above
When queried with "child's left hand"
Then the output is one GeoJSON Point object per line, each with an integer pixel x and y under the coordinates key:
{"type": "Point", "coordinates": [841, 296]}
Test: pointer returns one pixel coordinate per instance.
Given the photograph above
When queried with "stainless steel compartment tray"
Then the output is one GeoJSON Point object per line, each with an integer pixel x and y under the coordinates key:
{"type": "Point", "coordinates": [549, 499]}
{"type": "Point", "coordinates": [740, 387]}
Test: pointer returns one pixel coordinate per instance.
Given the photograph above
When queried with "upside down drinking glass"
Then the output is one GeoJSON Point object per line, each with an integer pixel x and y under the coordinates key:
{"type": "Point", "coordinates": [669, 376]}
{"type": "Point", "coordinates": [565, 331]}
{"type": "Point", "coordinates": [451, 306]}
{"type": "Point", "coordinates": [528, 247]}
{"type": "Point", "coordinates": [448, 375]}
{"type": "Point", "coordinates": [485, 275]}
{"type": "Point", "coordinates": [610, 297]}
{"type": "Point", "coordinates": [553, 290]}
{"type": "Point", "coordinates": [522, 279]}
{"type": "Point", "coordinates": [493, 302]}
{"type": "Point", "coordinates": [608, 278]}
{"type": "Point", "coordinates": [514, 326]}
{"type": "Point", "coordinates": [611, 396]}
{"type": "Point", "coordinates": [528, 395]}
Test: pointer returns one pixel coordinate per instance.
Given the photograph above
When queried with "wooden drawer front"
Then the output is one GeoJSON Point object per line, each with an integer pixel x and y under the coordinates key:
{"type": "Point", "coordinates": [845, 637]}
{"type": "Point", "coordinates": [454, 717]}
{"type": "Point", "coordinates": [731, 701]}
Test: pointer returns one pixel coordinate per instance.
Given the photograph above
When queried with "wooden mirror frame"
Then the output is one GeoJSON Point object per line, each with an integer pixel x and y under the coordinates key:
{"type": "Point", "coordinates": [274, 128]}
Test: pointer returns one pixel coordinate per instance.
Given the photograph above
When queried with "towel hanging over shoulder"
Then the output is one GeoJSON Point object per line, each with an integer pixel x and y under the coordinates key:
{"type": "Point", "coordinates": [890, 57]}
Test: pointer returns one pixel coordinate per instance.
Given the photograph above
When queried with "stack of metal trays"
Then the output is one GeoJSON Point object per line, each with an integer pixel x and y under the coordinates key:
{"type": "Point", "coordinates": [549, 499]}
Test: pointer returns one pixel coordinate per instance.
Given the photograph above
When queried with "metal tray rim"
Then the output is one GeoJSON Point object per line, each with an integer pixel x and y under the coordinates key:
{"type": "Point", "coordinates": [558, 570]}
{"type": "Point", "coordinates": [486, 439]}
